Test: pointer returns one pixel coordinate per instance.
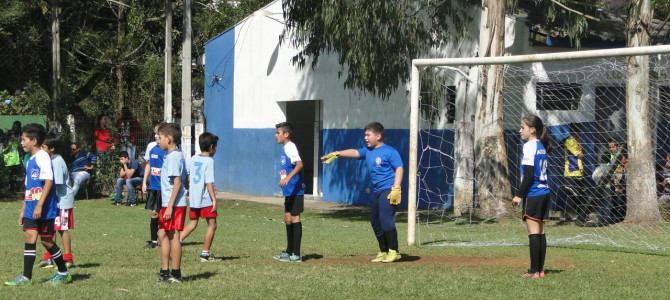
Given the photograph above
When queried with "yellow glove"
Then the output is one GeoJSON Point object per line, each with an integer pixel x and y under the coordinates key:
{"type": "Point", "coordinates": [330, 157]}
{"type": "Point", "coordinates": [395, 195]}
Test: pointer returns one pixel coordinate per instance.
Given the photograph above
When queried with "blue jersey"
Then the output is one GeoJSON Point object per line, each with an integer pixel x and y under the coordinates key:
{"type": "Point", "coordinates": [174, 165]}
{"type": "Point", "coordinates": [382, 162]}
{"type": "Point", "coordinates": [535, 155]}
{"type": "Point", "coordinates": [38, 170]}
{"type": "Point", "coordinates": [288, 157]}
{"type": "Point", "coordinates": [201, 172]}
{"type": "Point", "coordinates": [154, 156]}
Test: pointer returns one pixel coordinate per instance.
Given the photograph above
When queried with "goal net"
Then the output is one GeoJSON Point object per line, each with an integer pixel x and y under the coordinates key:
{"type": "Point", "coordinates": [583, 103]}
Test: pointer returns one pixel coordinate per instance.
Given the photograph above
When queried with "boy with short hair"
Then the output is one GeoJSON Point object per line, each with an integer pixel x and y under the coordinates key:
{"type": "Point", "coordinates": [290, 181]}
{"type": "Point", "coordinates": [39, 208]}
{"type": "Point", "coordinates": [386, 170]}
{"type": "Point", "coordinates": [131, 174]}
{"type": "Point", "coordinates": [202, 198]}
{"type": "Point", "coordinates": [63, 189]}
{"type": "Point", "coordinates": [151, 185]}
{"type": "Point", "coordinates": [173, 206]}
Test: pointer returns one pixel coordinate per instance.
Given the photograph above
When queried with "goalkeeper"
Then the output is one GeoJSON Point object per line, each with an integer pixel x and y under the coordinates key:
{"type": "Point", "coordinates": [386, 170]}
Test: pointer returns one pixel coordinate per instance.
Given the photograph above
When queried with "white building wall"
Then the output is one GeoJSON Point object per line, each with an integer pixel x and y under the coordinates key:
{"type": "Point", "coordinates": [265, 78]}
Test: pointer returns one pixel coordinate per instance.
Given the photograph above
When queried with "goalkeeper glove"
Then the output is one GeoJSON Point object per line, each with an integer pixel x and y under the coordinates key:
{"type": "Point", "coordinates": [394, 195]}
{"type": "Point", "coordinates": [330, 157]}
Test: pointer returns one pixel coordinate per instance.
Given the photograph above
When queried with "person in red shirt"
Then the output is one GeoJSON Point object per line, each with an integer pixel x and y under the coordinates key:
{"type": "Point", "coordinates": [103, 135]}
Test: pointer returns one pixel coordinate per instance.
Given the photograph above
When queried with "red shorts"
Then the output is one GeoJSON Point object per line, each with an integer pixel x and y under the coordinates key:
{"type": "Point", "coordinates": [203, 212]}
{"type": "Point", "coordinates": [65, 220]}
{"type": "Point", "coordinates": [176, 223]}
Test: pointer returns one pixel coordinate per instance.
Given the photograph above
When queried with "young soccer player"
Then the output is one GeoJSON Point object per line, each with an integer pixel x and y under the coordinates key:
{"type": "Point", "coordinates": [386, 170]}
{"type": "Point", "coordinates": [39, 208]}
{"type": "Point", "coordinates": [290, 181]}
{"type": "Point", "coordinates": [202, 199]}
{"type": "Point", "coordinates": [151, 185]}
{"type": "Point", "coordinates": [533, 191]}
{"type": "Point", "coordinates": [173, 206]}
{"type": "Point", "coordinates": [64, 192]}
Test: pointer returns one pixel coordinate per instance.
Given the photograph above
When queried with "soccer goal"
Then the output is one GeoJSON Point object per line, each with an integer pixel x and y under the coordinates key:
{"type": "Point", "coordinates": [608, 116]}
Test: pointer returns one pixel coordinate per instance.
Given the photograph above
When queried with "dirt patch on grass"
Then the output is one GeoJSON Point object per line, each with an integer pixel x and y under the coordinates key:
{"type": "Point", "coordinates": [451, 261]}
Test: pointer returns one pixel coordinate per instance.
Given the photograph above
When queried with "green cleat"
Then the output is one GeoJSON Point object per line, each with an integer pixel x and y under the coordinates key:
{"type": "Point", "coordinates": [380, 257]}
{"type": "Point", "coordinates": [19, 281]}
{"type": "Point", "coordinates": [58, 279]}
{"type": "Point", "coordinates": [392, 256]}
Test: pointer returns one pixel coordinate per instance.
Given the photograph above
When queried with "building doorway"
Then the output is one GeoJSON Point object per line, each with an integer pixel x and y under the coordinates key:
{"type": "Point", "coordinates": [306, 119]}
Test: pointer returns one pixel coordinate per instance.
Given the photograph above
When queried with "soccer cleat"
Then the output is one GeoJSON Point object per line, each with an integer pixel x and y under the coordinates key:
{"type": "Point", "coordinates": [58, 279]}
{"type": "Point", "coordinates": [163, 277]}
{"type": "Point", "coordinates": [295, 259]}
{"type": "Point", "coordinates": [529, 275]}
{"type": "Point", "coordinates": [283, 256]}
{"type": "Point", "coordinates": [151, 245]}
{"type": "Point", "coordinates": [380, 257]}
{"type": "Point", "coordinates": [19, 281]}
{"type": "Point", "coordinates": [392, 256]}
{"type": "Point", "coordinates": [69, 264]}
{"type": "Point", "coordinates": [209, 258]}
{"type": "Point", "coordinates": [173, 279]}
{"type": "Point", "coordinates": [45, 264]}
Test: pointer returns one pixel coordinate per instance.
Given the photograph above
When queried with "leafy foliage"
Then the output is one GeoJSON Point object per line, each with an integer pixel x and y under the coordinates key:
{"type": "Point", "coordinates": [374, 40]}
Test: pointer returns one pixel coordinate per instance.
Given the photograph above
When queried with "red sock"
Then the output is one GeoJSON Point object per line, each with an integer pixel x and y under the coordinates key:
{"type": "Point", "coordinates": [46, 256]}
{"type": "Point", "coordinates": [68, 257]}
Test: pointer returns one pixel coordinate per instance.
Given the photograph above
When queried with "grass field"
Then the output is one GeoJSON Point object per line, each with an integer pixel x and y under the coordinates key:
{"type": "Point", "coordinates": [112, 264]}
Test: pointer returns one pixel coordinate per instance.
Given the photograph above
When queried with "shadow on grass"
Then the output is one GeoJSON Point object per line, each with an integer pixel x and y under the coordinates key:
{"type": "Point", "coordinates": [80, 277]}
{"type": "Point", "coordinates": [86, 266]}
{"type": "Point", "coordinates": [194, 277]}
{"type": "Point", "coordinates": [227, 257]}
{"type": "Point", "coordinates": [553, 271]}
{"type": "Point", "coordinates": [409, 258]}
{"type": "Point", "coordinates": [312, 256]}
{"type": "Point", "coordinates": [190, 243]}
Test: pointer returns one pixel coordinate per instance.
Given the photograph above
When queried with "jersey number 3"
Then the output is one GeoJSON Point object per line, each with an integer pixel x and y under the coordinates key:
{"type": "Point", "coordinates": [198, 172]}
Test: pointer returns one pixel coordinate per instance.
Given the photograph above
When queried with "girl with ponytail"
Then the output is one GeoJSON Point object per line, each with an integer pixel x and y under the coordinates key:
{"type": "Point", "coordinates": [533, 191]}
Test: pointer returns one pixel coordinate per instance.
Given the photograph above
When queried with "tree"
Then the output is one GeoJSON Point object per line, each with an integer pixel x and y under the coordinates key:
{"type": "Point", "coordinates": [491, 172]}
{"type": "Point", "coordinates": [640, 180]}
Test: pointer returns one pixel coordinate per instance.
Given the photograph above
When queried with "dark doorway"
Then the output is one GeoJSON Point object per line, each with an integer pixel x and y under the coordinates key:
{"type": "Point", "coordinates": [305, 117]}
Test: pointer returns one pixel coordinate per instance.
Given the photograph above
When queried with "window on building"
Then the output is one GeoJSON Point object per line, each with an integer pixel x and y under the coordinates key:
{"type": "Point", "coordinates": [557, 96]}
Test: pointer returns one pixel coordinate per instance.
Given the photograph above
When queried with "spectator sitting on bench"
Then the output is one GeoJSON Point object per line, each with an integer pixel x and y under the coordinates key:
{"type": "Point", "coordinates": [130, 175]}
{"type": "Point", "coordinates": [82, 166]}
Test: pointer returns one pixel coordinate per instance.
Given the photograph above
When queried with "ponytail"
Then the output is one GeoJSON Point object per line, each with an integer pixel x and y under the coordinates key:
{"type": "Point", "coordinates": [546, 140]}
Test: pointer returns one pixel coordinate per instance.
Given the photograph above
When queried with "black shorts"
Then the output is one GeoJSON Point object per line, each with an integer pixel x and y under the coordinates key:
{"type": "Point", "coordinates": [535, 208]}
{"type": "Point", "coordinates": [153, 200]}
{"type": "Point", "coordinates": [43, 227]}
{"type": "Point", "coordinates": [294, 204]}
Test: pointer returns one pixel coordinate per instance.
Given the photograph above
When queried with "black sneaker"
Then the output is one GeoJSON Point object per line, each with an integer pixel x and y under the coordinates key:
{"type": "Point", "coordinates": [151, 245]}
{"type": "Point", "coordinates": [164, 277]}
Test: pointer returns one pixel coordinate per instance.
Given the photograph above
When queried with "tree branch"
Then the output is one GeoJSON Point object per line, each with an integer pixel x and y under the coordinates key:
{"type": "Point", "coordinates": [575, 11]}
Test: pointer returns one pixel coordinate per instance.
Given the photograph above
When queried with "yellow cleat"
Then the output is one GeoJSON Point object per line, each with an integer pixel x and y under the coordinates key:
{"type": "Point", "coordinates": [380, 257]}
{"type": "Point", "coordinates": [392, 256]}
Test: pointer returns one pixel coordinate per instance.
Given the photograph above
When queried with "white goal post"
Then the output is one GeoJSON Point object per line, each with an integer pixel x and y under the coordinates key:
{"type": "Point", "coordinates": [471, 61]}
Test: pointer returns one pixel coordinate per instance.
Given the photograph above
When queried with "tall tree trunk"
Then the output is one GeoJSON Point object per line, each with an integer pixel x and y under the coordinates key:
{"type": "Point", "coordinates": [491, 174]}
{"type": "Point", "coordinates": [463, 144]}
{"type": "Point", "coordinates": [167, 95]}
{"type": "Point", "coordinates": [186, 82]}
{"type": "Point", "coordinates": [120, 35]}
{"type": "Point", "coordinates": [642, 205]}
{"type": "Point", "coordinates": [55, 58]}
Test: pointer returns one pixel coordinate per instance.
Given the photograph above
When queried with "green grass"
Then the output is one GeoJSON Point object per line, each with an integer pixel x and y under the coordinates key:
{"type": "Point", "coordinates": [112, 263]}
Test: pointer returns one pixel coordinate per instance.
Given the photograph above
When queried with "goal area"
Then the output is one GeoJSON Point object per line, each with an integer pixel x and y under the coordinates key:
{"type": "Point", "coordinates": [607, 113]}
